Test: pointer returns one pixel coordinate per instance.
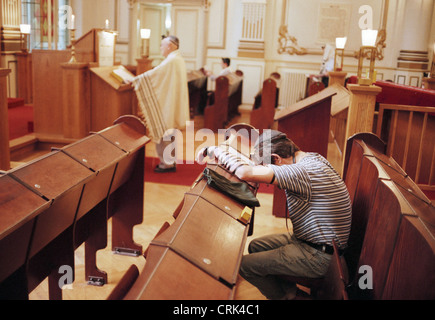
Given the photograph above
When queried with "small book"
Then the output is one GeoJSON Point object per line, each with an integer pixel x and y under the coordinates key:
{"type": "Point", "coordinates": [122, 74]}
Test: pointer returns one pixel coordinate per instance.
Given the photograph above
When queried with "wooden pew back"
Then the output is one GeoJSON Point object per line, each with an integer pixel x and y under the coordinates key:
{"type": "Point", "coordinates": [388, 207]}
{"type": "Point", "coordinates": [263, 116]}
{"type": "Point", "coordinates": [197, 256]}
{"type": "Point", "coordinates": [223, 103]}
{"type": "Point", "coordinates": [51, 204]}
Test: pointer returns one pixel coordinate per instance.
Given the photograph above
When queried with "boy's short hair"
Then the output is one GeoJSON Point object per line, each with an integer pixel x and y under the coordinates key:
{"type": "Point", "coordinates": [273, 141]}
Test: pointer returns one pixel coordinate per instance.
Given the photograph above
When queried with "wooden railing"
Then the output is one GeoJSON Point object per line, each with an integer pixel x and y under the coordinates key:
{"type": "Point", "coordinates": [409, 132]}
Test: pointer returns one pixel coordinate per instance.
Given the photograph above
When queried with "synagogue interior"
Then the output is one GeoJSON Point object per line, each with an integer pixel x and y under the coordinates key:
{"type": "Point", "coordinates": [85, 216]}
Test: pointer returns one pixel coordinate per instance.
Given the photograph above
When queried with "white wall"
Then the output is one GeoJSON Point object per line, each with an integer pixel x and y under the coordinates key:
{"type": "Point", "coordinates": [225, 27]}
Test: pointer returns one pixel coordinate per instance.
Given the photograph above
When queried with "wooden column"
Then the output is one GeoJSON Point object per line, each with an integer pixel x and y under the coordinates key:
{"type": "Point", "coordinates": [338, 77]}
{"type": "Point", "coordinates": [25, 81]}
{"type": "Point", "coordinates": [143, 65]}
{"type": "Point", "coordinates": [76, 100]}
{"type": "Point", "coordinates": [361, 109]}
{"type": "Point", "coordinates": [5, 156]}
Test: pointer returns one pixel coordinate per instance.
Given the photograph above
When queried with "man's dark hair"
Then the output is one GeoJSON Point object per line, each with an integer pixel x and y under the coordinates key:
{"type": "Point", "coordinates": [273, 141]}
{"type": "Point", "coordinates": [227, 61]}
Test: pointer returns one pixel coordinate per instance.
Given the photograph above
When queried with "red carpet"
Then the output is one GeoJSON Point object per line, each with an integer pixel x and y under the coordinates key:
{"type": "Point", "coordinates": [20, 121]}
{"type": "Point", "coordinates": [185, 174]}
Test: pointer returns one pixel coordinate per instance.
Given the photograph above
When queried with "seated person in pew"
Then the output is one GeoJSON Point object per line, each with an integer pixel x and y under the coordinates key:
{"type": "Point", "coordinates": [163, 97]}
{"type": "Point", "coordinates": [319, 209]}
{"type": "Point", "coordinates": [226, 69]}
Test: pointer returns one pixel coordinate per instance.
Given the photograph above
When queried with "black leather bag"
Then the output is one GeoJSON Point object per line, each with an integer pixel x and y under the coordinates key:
{"type": "Point", "coordinates": [239, 191]}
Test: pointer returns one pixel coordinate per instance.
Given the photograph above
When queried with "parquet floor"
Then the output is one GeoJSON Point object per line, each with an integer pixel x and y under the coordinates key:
{"type": "Point", "coordinates": [160, 202]}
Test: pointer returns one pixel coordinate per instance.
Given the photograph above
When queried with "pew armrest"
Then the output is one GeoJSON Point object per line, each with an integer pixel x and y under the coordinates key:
{"type": "Point", "coordinates": [125, 284]}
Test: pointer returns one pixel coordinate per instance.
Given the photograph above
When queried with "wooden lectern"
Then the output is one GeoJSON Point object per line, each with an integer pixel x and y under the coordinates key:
{"type": "Point", "coordinates": [109, 98]}
{"type": "Point", "coordinates": [61, 88]}
{"type": "Point", "coordinates": [306, 123]}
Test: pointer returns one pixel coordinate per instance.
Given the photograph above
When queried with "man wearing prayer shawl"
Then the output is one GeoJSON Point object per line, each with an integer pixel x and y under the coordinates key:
{"type": "Point", "coordinates": [163, 99]}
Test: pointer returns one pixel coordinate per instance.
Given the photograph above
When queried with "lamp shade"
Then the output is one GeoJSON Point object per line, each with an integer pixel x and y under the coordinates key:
{"type": "Point", "coordinates": [145, 33]}
{"type": "Point", "coordinates": [369, 37]}
{"type": "Point", "coordinates": [25, 28]}
{"type": "Point", "coordinates": [340, 42]}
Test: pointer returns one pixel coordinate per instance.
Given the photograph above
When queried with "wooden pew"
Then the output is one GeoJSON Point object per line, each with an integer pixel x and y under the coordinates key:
{"type": "Point", "coordinates": [78, 187]}
{"type": "Point", "coordinates": [333, 286]}
{"type": "Point", "coordinates": [392, 235]}
{"type": "Point", "coordinates": [215, 113]}
{"type": "Point", "coordinates": [125, 284]}
{"type": "Point", "coordinates": [388, 209]}
{"type": "Point", "coordinates": [235, 92]}
{"type": "Point", "coordinates": [263, 111]}
{"type": "Point", "coordinates": [197, 84]}
{"type": "Point", "coordinates": [222, 103]}
{"type": "Point", "coordinates": [362, 190]}
{"type": "Point", "coordinates": [19, 207]}
{"type": "Point", "coordinates": [197, 256]}
{"type": "Point", "coordinates": [194, 258]}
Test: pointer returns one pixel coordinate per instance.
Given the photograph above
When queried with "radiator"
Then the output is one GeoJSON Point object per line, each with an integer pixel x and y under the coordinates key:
{"type": "Point", "coordinates": [293, 88]}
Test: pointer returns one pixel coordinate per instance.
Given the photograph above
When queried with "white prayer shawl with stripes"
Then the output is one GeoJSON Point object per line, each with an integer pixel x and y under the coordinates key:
{"type": "Point", "coordinates": [163, 96]}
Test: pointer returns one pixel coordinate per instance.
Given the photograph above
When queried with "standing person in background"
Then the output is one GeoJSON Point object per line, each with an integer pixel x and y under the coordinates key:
{"type": "Point", "coordinates": [164, 100]}
{"type": "Point", "coordinates": [327, 63]}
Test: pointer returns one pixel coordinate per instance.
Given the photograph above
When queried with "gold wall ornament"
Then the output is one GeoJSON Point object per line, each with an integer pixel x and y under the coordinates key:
{"type": "Point", "coordinates": [289, 44]}
{"type": "Point", "coordinates": [206, 4]}
{"type": "Point", "coordinates": [380, 46]}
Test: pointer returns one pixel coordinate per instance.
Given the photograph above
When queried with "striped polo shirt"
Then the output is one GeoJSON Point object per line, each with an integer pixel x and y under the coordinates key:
{"type": "Point", "coordinates": [318, 201]}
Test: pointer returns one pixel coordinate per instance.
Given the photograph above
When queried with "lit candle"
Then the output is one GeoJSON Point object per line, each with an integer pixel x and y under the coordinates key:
{"type": "Point", "coordinates": [107, 24]}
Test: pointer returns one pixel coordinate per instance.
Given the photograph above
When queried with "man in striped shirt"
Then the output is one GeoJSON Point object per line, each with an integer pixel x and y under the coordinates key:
{"type": "Point", "coordinates": [319, 208]}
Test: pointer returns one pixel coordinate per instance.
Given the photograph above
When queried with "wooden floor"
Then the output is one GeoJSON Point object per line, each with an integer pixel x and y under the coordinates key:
{"type": "Point", "coordinates": [160, 202]}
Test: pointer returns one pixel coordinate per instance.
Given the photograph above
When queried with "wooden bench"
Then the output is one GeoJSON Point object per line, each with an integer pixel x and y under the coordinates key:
{"type": "Point", "coordinates": [197, 84]}
{"type": "Point", "coordinates": [263, 111]}
{"type": "Point", "coordinates": [198, 255]}
{"type": "Point", "coordinates": [223, 102]}
{"type": "Point", "coordinates": [392, 240]}
{"type": "Point", "coordinates": [62, 199]}
{"type": "Point", "coordinates": [391, 246]}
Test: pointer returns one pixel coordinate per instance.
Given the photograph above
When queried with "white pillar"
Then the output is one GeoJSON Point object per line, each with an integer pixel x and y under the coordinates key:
{"type": "Point", "coordinates": [132, 16]}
